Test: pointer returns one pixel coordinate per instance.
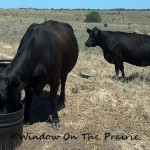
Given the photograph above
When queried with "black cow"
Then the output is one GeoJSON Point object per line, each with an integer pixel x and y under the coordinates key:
{"type": "Point", "coordinates": [46, 54]}
{"type": "Point", "coordinates": [119, 47]}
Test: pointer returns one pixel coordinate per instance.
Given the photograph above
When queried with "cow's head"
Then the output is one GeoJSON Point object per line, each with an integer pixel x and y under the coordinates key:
{"type": "Point", "coordinates": [10, 95]}
{"type": "Point", "coordinates": [93, 37]}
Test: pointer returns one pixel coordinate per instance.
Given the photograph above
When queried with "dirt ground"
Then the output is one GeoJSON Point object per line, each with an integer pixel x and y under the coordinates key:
{"type": "Point", "coordinates": [101, 113]}
{"type": "Point", "coordinates": [94, 107]}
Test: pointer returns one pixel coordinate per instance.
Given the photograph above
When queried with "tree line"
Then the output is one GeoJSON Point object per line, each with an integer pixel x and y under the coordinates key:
{"type": "Point", "coordinates": [83, 9]}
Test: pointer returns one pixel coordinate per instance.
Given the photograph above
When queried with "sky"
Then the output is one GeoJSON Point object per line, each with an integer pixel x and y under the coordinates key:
{"type": "Point", "coordinates": [76, 4]}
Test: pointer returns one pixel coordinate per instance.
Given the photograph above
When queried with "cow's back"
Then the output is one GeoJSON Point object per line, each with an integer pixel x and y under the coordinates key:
{"type": "Point", "coordinates": [67, 43]}
{"type": "Point", "coordinates": [129, 39]}
{"type": "Point", "coordinates": [45, 50]}
{"type": "Point", "coordinates": [134, 48]}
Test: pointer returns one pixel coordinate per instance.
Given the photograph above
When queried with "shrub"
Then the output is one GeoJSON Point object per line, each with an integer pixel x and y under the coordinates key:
{"type": "Point", "coordinates": [93, 16]}
{"type": "Point", "coordinates": [105, 24]}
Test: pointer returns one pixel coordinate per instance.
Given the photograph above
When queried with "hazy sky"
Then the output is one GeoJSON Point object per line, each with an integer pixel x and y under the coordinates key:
{"type": "Point", "coordinates": [73, 4]}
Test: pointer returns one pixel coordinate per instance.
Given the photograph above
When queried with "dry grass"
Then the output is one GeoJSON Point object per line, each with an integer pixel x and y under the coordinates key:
{"type": "Point", "coordinates": [96, 105]}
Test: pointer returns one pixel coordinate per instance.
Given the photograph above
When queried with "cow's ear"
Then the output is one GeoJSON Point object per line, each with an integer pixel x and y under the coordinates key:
{"type": "Point", "coordinates": [89, 31]}
{"type": "Point", "coordinates": [96, 31]}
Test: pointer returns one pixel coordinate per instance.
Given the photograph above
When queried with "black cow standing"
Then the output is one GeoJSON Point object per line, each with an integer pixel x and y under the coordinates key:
{"type": "Point", "coordinates": [46, 54]}
{"type": "Point", "coordinates": [119, 47]}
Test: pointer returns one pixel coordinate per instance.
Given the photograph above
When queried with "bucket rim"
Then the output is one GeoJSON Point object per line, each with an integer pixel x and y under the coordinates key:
{"type": "Point", "coordinates": [21, 108]}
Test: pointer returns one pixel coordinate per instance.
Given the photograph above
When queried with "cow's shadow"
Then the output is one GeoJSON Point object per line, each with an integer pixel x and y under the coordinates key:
{"type": "Point", "coordinates": [134, 77]}
{"type": "Point", "coordinates": [41, 108]}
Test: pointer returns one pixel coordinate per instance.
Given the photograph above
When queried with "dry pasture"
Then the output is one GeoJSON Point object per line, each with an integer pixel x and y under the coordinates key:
{"type": "Point", "coordinates": [96, 105]}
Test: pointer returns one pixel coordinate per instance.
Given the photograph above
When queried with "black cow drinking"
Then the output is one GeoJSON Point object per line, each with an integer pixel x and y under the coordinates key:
{"type": "Point", "coordinates": [46, 54]}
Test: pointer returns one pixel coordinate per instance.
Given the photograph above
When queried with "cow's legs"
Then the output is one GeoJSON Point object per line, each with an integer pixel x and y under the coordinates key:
{"type": "Point", "coordinates": [118, 55]}
{"type": "Point", "coordinates": [119, 66]}
{"type": "Point", "coordinates": [62, 93]}
{"type": "Point", "coordinates": [117, 63]}
{"type": "Point", "coordinates": [122, 69]}
{"type": "Point", "coordinates": [53, 101]}
{"type": "Point", "coordinates": [28, 100]}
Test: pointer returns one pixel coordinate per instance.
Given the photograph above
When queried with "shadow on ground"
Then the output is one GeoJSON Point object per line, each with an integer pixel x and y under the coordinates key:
{"type": "Point", "coordinates": [41, 107]}
{"type": "Point", "coordinates": [133, 78]}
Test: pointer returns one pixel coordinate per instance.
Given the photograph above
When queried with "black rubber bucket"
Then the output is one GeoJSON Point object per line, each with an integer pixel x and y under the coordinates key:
{"type": "Point", "coordinates": [11, 129]}
{"type": "Point", "coordinates": [4, 64]}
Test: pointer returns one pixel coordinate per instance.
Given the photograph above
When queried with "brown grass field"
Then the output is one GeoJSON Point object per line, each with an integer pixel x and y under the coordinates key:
{"type": "Point", "coordinates": [97, 105]}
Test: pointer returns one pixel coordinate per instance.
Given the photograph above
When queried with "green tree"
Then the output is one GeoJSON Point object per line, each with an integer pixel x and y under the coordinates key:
{"type": "Point", "coordinates": [93, 16]}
